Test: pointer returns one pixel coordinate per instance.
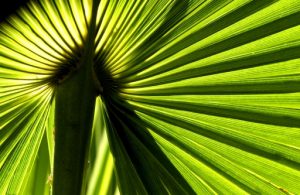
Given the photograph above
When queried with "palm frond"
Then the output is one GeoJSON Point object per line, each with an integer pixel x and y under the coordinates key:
{"type": "Point", "coordinates": [199, 97]}
{"type": "Point", "coordinates": [102, 175]}
{"type": "Point", "coordinates": [211, 87]}
{"type": "Point", "coordinates": [32, 52]}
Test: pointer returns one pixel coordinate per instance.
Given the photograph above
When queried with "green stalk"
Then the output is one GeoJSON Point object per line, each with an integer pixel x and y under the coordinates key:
{"type": "Point", "coordinates": [75, 103]}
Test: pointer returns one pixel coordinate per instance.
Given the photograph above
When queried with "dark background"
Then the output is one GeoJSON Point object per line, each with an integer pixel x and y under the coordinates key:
{"type": "Point", "coordinates": [8, 7]}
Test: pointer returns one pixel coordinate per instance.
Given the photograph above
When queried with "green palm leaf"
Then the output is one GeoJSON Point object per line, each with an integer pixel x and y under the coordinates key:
{"type": "Point", "coordinates": [194, 97]}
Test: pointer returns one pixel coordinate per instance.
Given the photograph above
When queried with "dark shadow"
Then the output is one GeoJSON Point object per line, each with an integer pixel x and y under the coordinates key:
{"type": "Point", "coordinates": [152, 166]}
{"type": "Point", "coordinates": [127, 126]}
{"type": "Point", "coordinates": [139, 144]}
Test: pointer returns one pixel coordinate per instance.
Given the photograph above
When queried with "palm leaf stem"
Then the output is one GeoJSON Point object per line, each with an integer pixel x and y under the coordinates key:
{"type": "Point", "coordinates": [75, 103]}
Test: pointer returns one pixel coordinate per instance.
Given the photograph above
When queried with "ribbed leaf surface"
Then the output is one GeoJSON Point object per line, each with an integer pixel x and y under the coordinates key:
{"type": "Point", "coordinates": [199, 97]}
